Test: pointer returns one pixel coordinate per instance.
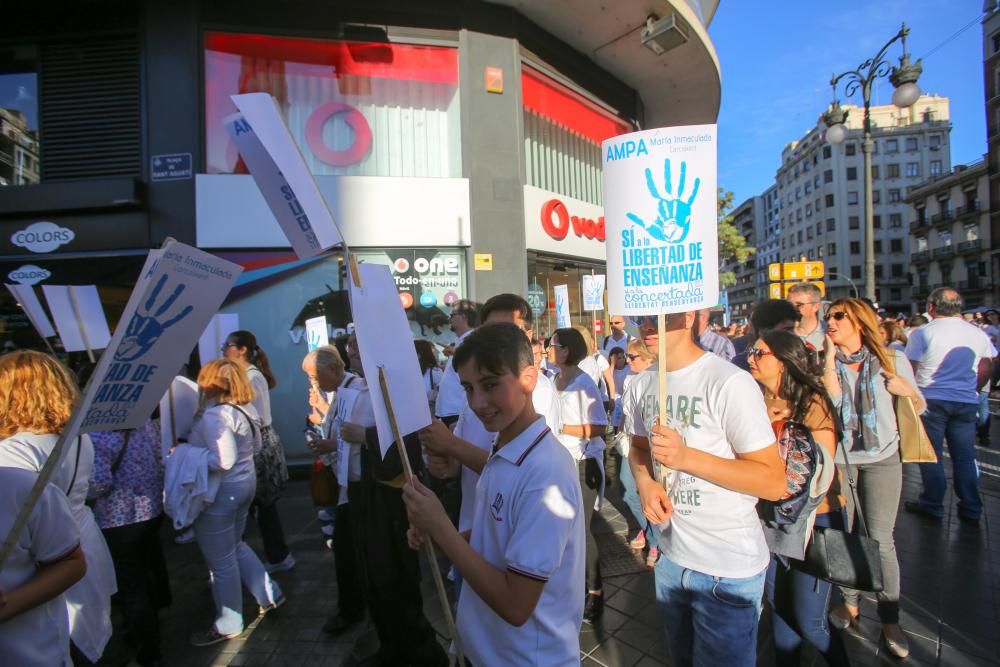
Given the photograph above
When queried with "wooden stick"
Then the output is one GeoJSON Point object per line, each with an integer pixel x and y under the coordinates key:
{"type": "Point", "coordinates": [661, 375]}
{"type": "Point", "coordinates": [428, 545]}
{"type": "Point", "coordinates": [79, 322]}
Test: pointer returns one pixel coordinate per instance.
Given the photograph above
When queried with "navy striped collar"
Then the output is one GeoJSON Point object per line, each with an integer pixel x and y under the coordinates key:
{"type": "Point", "coordinates": [518, 449]}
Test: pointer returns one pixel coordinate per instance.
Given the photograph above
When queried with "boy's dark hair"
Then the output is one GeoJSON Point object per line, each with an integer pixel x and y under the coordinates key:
{"type": "Point", "coordinates": [497, 348]}
{"type": "Point", "coordinates": [576, 347]}
{"type": "Point", "coordinates": [507, 303]}
{"type": "Point", "coordinates": [770, 313]}
{"type": "Point", "coordinates": [468, 309]}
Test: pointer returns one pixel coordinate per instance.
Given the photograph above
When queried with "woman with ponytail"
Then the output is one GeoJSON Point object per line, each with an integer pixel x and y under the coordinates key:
{"type": "Point", "coordinates": [272, 473]}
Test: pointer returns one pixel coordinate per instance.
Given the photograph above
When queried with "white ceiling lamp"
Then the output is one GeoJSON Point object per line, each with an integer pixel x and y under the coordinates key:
{"type": "Point", "coordinates": [661, 35]}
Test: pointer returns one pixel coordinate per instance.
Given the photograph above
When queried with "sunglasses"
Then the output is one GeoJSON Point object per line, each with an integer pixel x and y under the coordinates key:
{"type": "Point", "coordinates": [632, 357]}
{"type": "Point", "coordinates": [757, 353]}
{"type": "Point", "coordinates": [556, 345]}
{"type": "Point", "coordinates": [839, 315]}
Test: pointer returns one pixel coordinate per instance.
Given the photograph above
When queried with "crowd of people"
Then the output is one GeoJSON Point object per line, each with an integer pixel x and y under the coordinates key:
{"type": "Point", "coordinates": [772, 431]}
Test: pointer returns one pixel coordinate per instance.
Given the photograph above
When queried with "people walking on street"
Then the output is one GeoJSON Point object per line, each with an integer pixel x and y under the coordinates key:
{"type": "Point", "coordinates": [617, 337]}
{"type": "Point", "coordinates": [861, 376]}
{"type": "Point", "coordinates": [952, 360]}
{"type": "Point", "coordinates": [721, 456]}
{"type": "Point", "coordinates": [269, 461]}
{"type": "Point", "coordinates": [228, 426]}
{"type": "Point", "coordinates": [126, 487]}
{"type": "Point", "coordinates": [794, 392]}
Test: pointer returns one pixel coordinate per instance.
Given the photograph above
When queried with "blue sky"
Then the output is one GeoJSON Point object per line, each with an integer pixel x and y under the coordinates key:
{"type": "Point", "coordinates": [777, 58]}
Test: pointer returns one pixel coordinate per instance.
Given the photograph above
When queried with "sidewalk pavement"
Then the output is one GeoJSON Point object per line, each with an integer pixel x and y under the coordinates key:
{"type": "Point", "coordinates": [950, 596]}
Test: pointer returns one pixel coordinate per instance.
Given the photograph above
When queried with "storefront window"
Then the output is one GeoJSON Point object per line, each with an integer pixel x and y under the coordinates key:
{"type": "Point", "coordinates": [563, 132]}
{"type": "Point", "coordinates": [353, 108]}
{"type": "Point", "coordinates": [544, 273]}
{"type": "Point", "coordinates": [19, 154]}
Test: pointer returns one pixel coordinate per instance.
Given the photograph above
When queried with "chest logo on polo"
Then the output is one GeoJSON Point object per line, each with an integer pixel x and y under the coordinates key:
{"type": "Point", "coordinates": [496, 507]}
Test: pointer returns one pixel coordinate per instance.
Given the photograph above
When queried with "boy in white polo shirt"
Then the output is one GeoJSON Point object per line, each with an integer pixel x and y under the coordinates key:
{"type": "Point", "coordinates": [522, 598]}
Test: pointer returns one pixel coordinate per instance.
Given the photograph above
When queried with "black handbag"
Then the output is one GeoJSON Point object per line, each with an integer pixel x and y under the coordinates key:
{"type": "Point", "coordinates": [847, 559]}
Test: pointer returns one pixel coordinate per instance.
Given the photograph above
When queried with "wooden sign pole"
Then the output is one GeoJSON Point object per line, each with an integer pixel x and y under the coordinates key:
{"type": "Point", "coordinates": [79, 322]}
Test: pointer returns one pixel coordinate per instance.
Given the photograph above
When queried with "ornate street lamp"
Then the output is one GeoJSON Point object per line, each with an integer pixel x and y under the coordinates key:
{"type": "Point", "coordinates": [904, 79]}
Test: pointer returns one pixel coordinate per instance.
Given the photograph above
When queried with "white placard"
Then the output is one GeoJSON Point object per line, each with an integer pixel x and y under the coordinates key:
{"type": "Point", "coordinates": [385, 341]}
{"type": "Point", "coordinates": [593, 292]}
{"type": "Point", "coordinates": [284, 180]}
{"type": "Point", "coordinates": [28, 300]}
{"type": "Point", "coordinates": [79, 316]}
{"type": "Point", "coordinates": [563, 318]}
{"type": "Point", "coordinates": [661, 220]}
{"type": "Point", "coordinates": [317, 334]}
{"type": "Point", "coordinates": [179, 290]}
{"type": "Point", "coordinates": [216, 333]}
{"type": "Point", "coordinates": [177, 409]}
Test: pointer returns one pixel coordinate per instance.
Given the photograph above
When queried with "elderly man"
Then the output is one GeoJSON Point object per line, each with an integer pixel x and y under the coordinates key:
{"type": "Point", "coordinates": [951, 359]}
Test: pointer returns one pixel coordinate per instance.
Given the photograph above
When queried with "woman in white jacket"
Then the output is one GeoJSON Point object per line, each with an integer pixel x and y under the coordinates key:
{"type": "Point", "coordinates": [37, 394]}
{"type": "Point", "coordinates": [229, 427]}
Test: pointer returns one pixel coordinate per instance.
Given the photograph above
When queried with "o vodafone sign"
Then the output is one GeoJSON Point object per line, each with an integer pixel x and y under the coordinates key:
{"type": "Point", "coordinates": [563, 225]}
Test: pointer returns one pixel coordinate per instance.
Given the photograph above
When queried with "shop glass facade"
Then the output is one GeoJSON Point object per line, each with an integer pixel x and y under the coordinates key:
{"type": "Point", "coordinates": [353, 108]}
{"type": "Point", "coordinates": [544, 273]}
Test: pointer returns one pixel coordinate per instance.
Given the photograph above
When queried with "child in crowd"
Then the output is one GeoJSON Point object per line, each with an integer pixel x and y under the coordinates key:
{"type": "Point", "coordinates": [523, 565]}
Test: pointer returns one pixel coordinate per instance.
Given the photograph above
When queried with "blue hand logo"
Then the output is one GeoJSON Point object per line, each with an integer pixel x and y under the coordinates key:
{"type": "Point", "coordinates": [673, 214]}
{"type": "Point", "coordinates": [314, 339]}
{"type": "Point", "coordinates": [595, 293]}
{"type": "Point", "coordinates": [146, 327]}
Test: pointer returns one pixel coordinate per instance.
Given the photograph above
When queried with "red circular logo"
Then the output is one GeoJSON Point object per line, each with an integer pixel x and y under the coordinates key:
{"type": "Point", "coordinates": [406, 299]}
{"type": "Point", "coordinates": [354, 119]}
{"type": "Point", "coordinates": [401, 265]}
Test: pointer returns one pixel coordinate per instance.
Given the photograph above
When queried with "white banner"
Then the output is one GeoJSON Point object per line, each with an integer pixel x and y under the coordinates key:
{"type": "Point", "coordinates": [661, 220]}
{"type": "Point", "coordinates": [317, 334]}
{"type": "Point", "coordinates": [215, 335]}
{"type": "Point", "coordinates": [28, 300]}
{"type": "Point", "coordinates": [276, 164]}
{"type": "Point", "coordinates": [563, 318]}
{"type": "Point", "coordinates": [179, 290]}
{"type": "Point", "coordinates": [79, 316]}
{"type": "Point", "coordinates": [385, 341]}
{"type": "Point", "coordinates": [593, 292]}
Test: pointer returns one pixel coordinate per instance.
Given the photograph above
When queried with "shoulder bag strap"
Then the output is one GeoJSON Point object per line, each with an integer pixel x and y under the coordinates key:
{"type": "Point", "coordinates": [854, 493]}
{"type": "Point", "coordinates": [253, 427]}
{"type": "Point", "coordinates": [121, 454]}
{"type": "Point", "coordinates": [76, 467]}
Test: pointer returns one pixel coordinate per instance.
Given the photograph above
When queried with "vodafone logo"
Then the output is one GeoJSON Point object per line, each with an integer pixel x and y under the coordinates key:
{"type": "Point", "coordinates": [401, 265]}
{"type": "Point", "coordinates": [361, 131]}
{"type": "Point", "coordinates": [556, 221]}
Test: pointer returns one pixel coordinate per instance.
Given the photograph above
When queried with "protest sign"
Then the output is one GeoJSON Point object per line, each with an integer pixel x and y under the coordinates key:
{"type": "Point", "coordinates": [177, 409]}
{"type": "Point", "coordinates": [593, 292]}
{"type": "Point", "coordinates": [386, 343]}
{"type": "Point", "coordinates": [277, 167]}
{"type": "Point", "coordinates": [317, 334]}
{"type": "Point", "coordinates": [211, 341]}
{"type": "Point", "coordinates": [661, 220]}
{"type": "Point", "coordinates": [79, 317]}
{"type": "Point", "coordinates": [563, 318]}
{"type": "Point", "coordinates": [28, 300]}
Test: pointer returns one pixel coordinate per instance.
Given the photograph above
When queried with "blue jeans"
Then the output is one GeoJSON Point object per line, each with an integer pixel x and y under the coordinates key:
{"type": "Point", "coordinates": [955, 422]}
{"type": "Point", "coordinates": [798, 610]}
{"type": "Point", "coordinates": [219, 531]}
{"type": "Point", "coordinates": [630, 494]}
{"type": "Point", "coordinates": [709, 620]}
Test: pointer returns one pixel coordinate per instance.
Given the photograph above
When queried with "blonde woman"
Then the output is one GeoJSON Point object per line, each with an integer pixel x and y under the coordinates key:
{"type": "Point", "coordinates": [861, 376]}
{"type": "Point", "coordinates": [229, 427]}
{"type": "Point", "coordinates": [37, 394]}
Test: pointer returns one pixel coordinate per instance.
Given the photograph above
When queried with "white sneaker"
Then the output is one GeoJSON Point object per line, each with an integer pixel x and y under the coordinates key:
{"type": "Point", "coordinates": [329, 545]}
{"type": "Point", "coordinates": [325, 515]}
{"type": "Point", "coordinates": [283, 566]}
{"type": "Point", "coordinates": [326, 529]}
{"type": "Point", "coordinates": [187, 537]}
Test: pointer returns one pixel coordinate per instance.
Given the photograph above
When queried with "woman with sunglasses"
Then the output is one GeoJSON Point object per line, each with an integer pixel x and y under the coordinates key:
{"type": "Point", "coordinates": [584, 423]}
{"type": "Point", "coordinates": [786, 369]}
{"type": "Point", "coordinates": [272, 473]}
{"type": "Point", "coordinates": [861, 376]}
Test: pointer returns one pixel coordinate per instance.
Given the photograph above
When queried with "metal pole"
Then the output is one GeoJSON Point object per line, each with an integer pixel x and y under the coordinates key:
{"type": "Point", "coordinates": [866, 149]}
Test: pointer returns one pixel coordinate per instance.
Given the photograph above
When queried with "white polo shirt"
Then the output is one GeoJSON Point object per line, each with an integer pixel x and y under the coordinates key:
{"type": "Point", "coordinates": [451, 395]}
{"type": "Point", "coordinates": [528, 519]}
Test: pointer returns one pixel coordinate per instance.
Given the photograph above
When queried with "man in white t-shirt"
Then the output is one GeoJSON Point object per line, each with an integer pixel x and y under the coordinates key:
{"type": "Point", "coordinates": [952, 360]}
{"type": "Point", "coordinates": [617, 338]}
{"type": "Point", "coordinates": [451, 396]}
{"type": "Point", "coordinates": [721, 454]}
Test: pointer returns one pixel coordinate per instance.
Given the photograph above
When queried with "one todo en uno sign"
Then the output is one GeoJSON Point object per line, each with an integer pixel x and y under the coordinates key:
{"type": "Point", "coordinates": [179, 290]}
{"type": "Point", "coordinates": [660, 214]}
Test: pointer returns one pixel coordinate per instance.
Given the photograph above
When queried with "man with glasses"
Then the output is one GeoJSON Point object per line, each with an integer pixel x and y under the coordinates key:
{"type": "Point", "coordinates": [808, 300]}
{"type": "Point", "coordinates": [719, 455]}
{"type": "Point", "coordinates": [617, 338]}
{"type": "Point", "coordinates": [451, 396]}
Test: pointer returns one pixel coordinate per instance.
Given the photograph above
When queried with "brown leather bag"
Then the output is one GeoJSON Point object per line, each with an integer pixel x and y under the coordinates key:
{"type": "Point", "coordinates": [323, 485]}
{"type": "Point", "coordinates": [914, 445]}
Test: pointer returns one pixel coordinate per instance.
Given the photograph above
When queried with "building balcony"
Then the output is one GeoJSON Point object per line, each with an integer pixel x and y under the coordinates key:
{"type": "Point", "coordinates": [970, 208]}
{"type": "Point", "coordinates": [921, 256]}
{"type": "Point", "coordinates": [945, 251]}
{"type": "Point", "coordinates": [943, 216]}
{"type": "Point", "coordinates": [896, 281]}
{"type": "Point", "coordinates": [918, 224]}
{"type": "Point", "coordinates": [921, 291]}
{"type": "Point", "coordinates": [976, 285]}
{"type": "Point", "coordinates": [970, 246]}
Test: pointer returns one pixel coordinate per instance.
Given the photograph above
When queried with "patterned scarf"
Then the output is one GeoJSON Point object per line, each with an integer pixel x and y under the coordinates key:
{"type": "Point", "coordinates": [857, 412]}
